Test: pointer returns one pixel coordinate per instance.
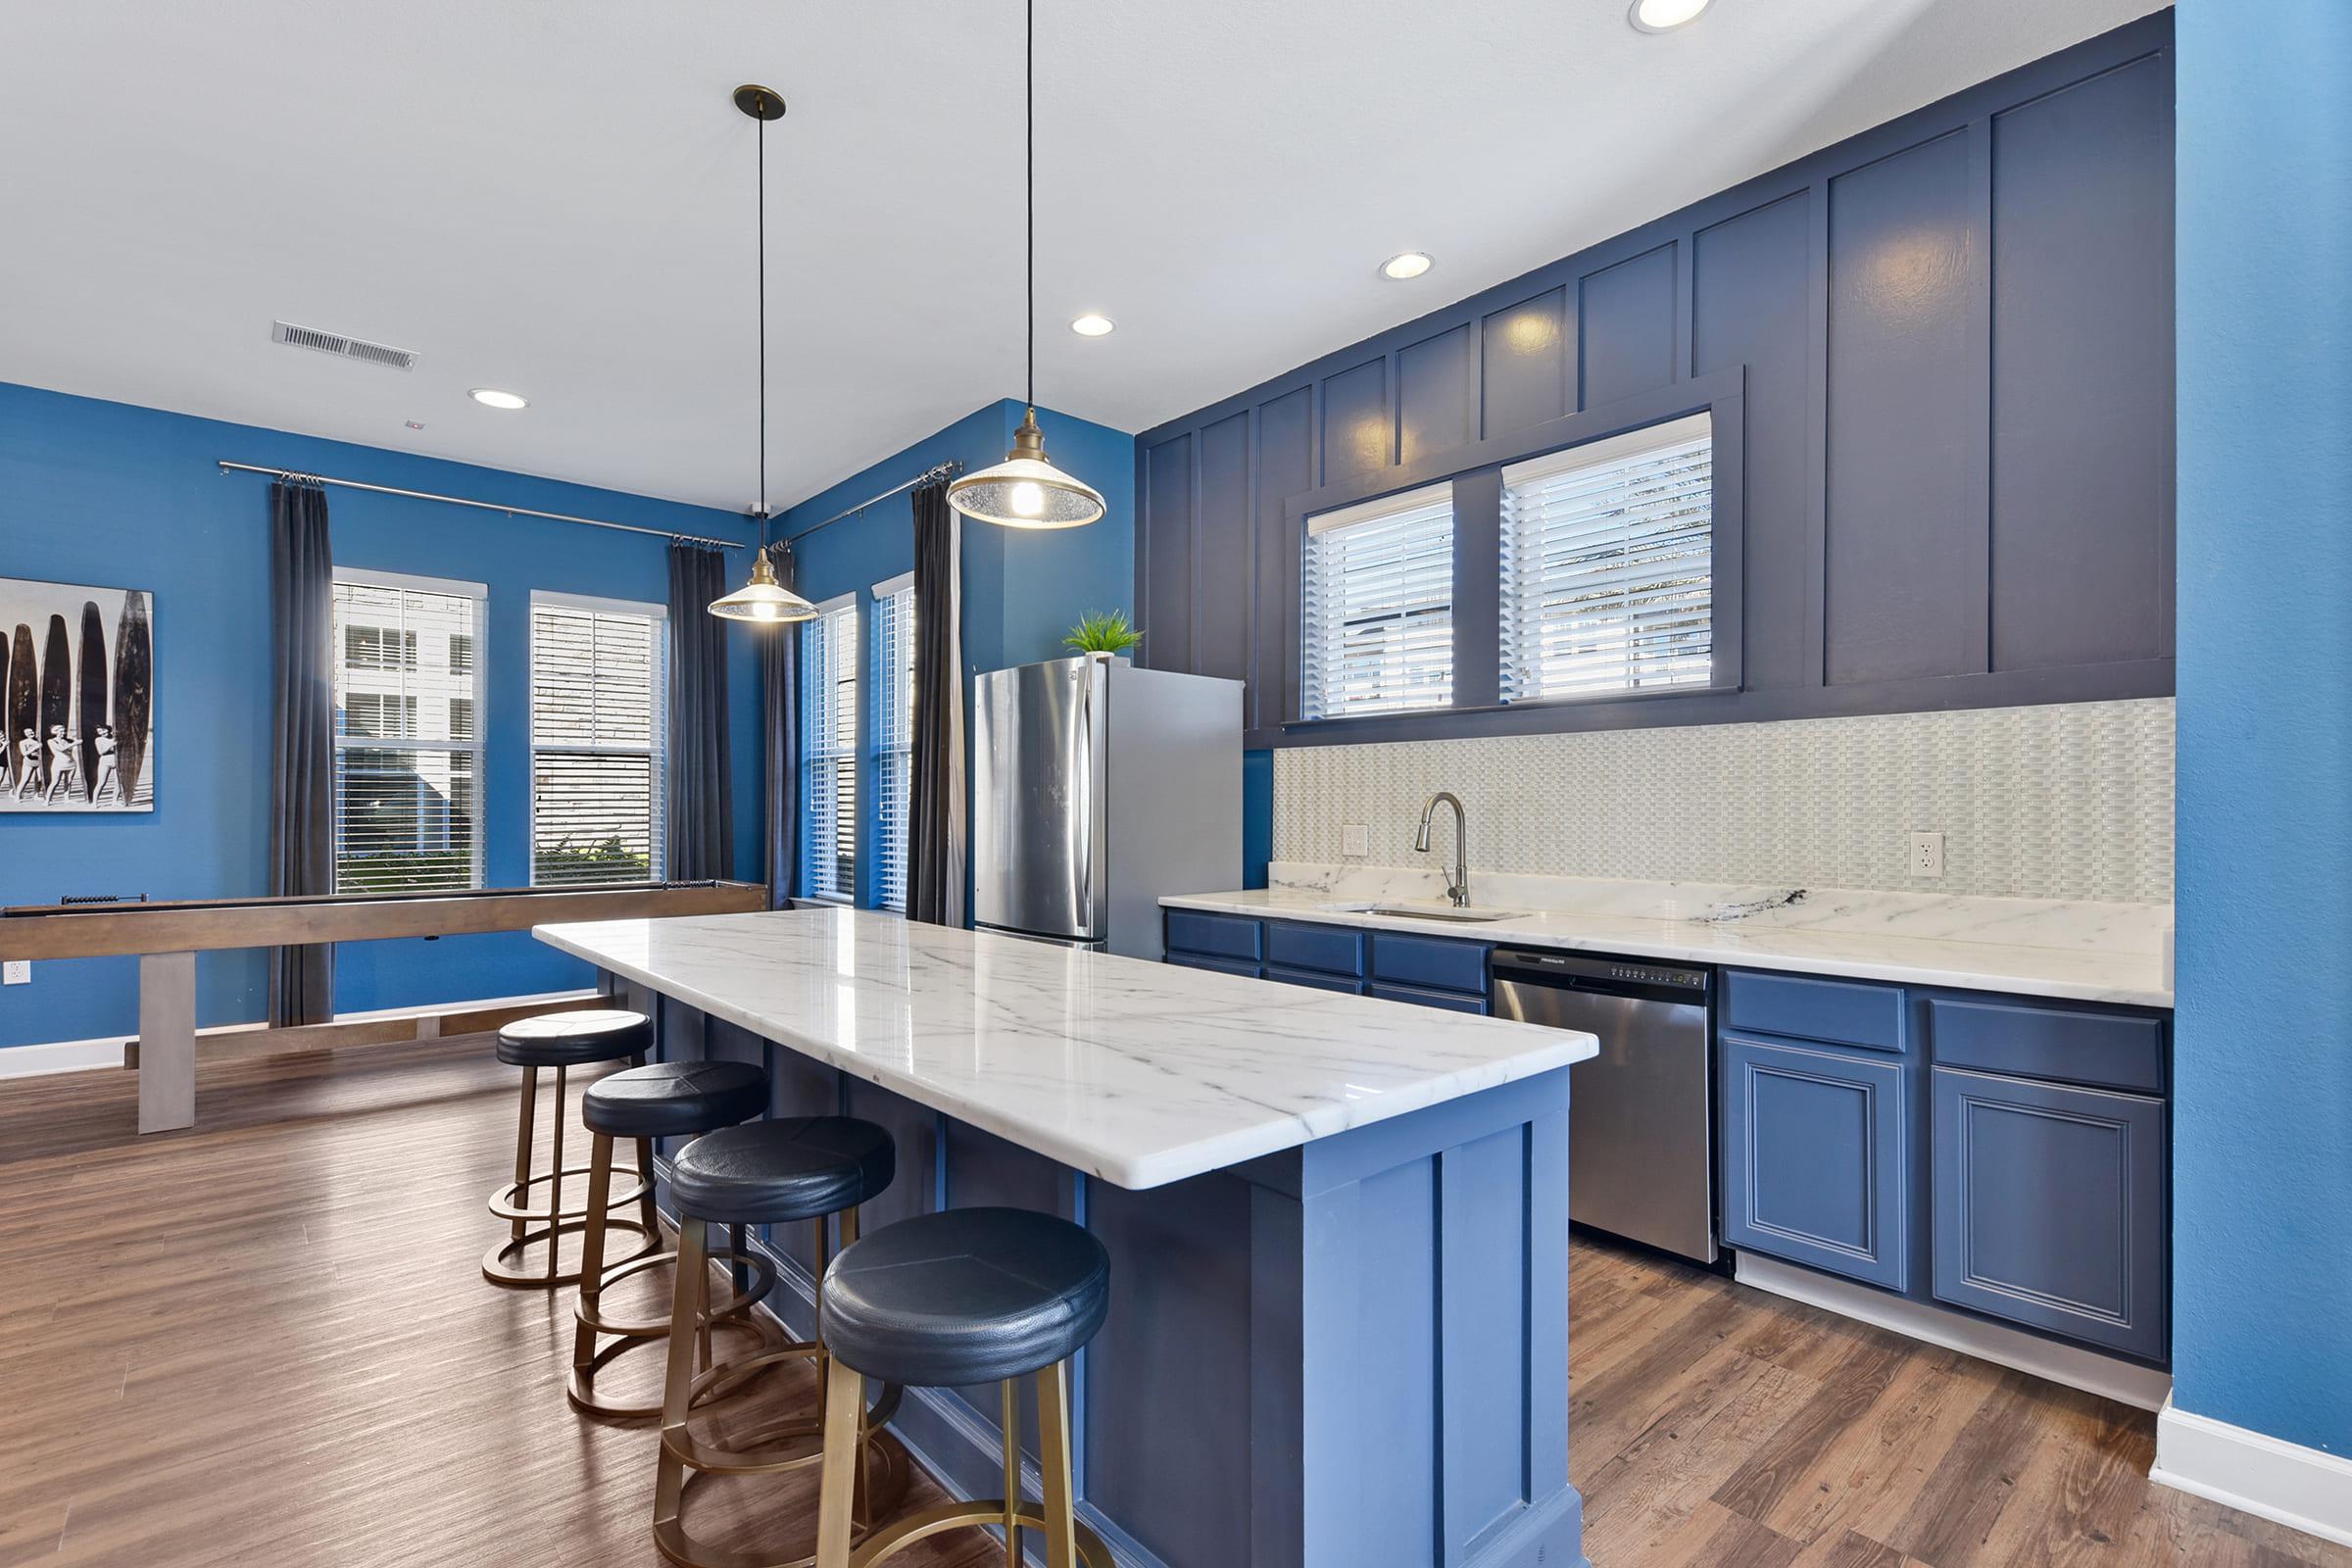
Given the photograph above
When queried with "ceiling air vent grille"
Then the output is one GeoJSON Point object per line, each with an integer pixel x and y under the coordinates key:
{"type": "Point", "coordinates": [349, 348]}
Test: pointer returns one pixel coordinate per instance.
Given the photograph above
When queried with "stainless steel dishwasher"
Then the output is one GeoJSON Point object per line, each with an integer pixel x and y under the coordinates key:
{"type": "Point", "coordinates": [1640, 1114]}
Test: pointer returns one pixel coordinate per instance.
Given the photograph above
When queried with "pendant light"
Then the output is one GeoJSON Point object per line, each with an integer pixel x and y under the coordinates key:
{"type": "Point", "coordinates": [762, 600]}
{"type": "Point", "coordinates": [1025, 490]}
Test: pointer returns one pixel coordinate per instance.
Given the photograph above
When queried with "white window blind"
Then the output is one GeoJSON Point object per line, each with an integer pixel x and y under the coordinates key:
{"type": "Point", "coordinates": [408, 753]}
{"type": "Point", "coordinates": [1376, 610]}
{"type": "Point", "coordinates": [894, 740]}
{"type": "Point", "coordinates": [599, 697]}
{"type": "Point", "coordinates": [1609, 566]}
{"type": "Point", "coordinates": [829, 751]}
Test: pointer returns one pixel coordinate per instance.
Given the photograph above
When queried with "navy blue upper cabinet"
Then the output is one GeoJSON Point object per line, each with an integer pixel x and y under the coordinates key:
{"type": "Point", "coordinates": [2050, 1208]}
{"type": "Point", "coordinates": [1955, 337]}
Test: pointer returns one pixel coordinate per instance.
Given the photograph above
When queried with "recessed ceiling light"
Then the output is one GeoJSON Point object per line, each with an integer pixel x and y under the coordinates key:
{"type": "Point", "coordinates": [1664, 15]}
{"type": "Point", "coordinates": [1412, 264]}
{"type": "Point", "coordinates": [492, 397]}
{"type": "Point", "coordinates": [1092, 325]}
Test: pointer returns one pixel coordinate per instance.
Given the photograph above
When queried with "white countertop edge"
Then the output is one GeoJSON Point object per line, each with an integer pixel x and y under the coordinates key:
{"type": "Point", "coordinates": [1939, 962]}
{"type": "Point", "coordinates": [1158, 1169]}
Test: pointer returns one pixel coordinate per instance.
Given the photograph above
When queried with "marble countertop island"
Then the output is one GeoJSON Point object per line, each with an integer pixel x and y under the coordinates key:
{"type": "Point", "coordinates": [1139, 1073]}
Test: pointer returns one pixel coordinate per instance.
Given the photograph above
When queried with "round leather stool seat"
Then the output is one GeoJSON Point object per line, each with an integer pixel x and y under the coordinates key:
{"type": "Point", "coordinates": [768, 1172]}
{"type": "Point", "coordinates": [573, 1038]}
{"type": "Point", "coordinates": [965, 1296]}
{"type": "Point", "coordinates": [674, 1098]}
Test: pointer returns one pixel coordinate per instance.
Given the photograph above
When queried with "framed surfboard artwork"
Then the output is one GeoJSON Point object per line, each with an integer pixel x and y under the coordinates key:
{"type": "Point", "coordinates": [77, 696]}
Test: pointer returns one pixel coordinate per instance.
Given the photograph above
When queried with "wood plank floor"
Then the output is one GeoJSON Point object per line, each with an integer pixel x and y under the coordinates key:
{"type": "Point", "coordinates": [265, 1341]}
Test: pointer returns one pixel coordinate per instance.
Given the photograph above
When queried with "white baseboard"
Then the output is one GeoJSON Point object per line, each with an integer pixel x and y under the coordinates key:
{"type": "Point", "coordinates": [62, 1055]}
{"type": "Point", "coordinates": [2302, 1489]}
{"type": "Point", "coordinates": [2077, 1368]}
{"type": "Point", "coordinates": [83, 1055]}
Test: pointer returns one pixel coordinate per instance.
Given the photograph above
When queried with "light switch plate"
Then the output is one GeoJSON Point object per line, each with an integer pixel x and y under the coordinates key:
{"type": "Point", "coordinates": [16, 972]}
{"type": "Point", "coordinates": [1356, 841]}
{"type": "Point", "coordinates": [1927, 854]}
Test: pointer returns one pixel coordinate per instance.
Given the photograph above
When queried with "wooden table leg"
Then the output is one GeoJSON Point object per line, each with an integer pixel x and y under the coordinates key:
{"type": "Point", "coordinates": [167, 1040]}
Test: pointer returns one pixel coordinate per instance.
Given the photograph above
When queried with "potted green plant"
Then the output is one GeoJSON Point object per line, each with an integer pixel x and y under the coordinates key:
{"type": "Point", "coordinates": [1104, 634]}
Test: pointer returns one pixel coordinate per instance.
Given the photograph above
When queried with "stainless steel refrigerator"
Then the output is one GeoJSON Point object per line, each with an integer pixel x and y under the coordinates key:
{"type": "Point", "coordinates": [1096, 788]}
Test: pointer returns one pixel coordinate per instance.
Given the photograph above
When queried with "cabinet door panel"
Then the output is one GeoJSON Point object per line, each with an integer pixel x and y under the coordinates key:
{"type": "Point", "coordinates": [1814, 1157]}
{"type": "Point", "coordinates": [1321, 982]}
{"type": "Point", "coordinates": [1221, 936]}
{"type": "Point", "coordinates": [1453, 1001]}
{"type": "Point", "coordinates": [1195, 960]}
{"type": "Point", "coordinates": [2050, 1208]}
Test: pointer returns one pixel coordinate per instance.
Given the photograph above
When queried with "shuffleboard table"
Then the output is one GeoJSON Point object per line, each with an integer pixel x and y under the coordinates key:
{"type": "Point", "coordinates": [166, 938]}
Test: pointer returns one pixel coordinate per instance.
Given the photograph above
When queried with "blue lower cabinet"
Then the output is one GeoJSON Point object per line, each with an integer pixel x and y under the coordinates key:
{"type": "Point", "coordinates": [1455, 1000]}
{"type": "Point", "coordinates": [2050, 1208]}
{"type": "Point", "coordinates": [1212, 935]}
{"type": "Point", "coordinates": [1320, 981]}
{"type": "Point", "coordinates": [1196, 960]}
{"type": "Point", "coordinates": [1816, 1158]}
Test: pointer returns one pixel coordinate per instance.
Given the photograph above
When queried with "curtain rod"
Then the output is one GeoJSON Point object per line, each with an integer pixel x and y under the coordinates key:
{"type": "Point", "coordinates": [938, 471]}
{"type": "Point", "coordinates": [297, 474]}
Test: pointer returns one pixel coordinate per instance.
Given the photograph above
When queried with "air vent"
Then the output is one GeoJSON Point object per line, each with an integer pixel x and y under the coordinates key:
{"type": "Point", "coordinates": [349, 348]}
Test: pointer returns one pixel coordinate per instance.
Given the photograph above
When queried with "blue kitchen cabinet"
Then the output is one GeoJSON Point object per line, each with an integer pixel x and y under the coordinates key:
{"type": "Point", "coordinates": [1452, 1000]}
{"type": "Point", "coordinates": [1202, 961]}
{"type": "Point", "coordinates": [1817, 1155]}
{"type": "Point", "coordinates": [1395, 966]}
{"type": "Point", "coordinates": [2050, 1206]}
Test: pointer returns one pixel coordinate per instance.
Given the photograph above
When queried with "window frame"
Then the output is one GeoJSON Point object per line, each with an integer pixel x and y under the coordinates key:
{"type": "Point", "coordinates": [1383, 508]}
{"type": "Point", "coordinates": [477, 679]}
{"type": "Point", "coordinates": [1475, 471]}
{"type": "Point", "coordinates": [838, 604]}
{"type": "Point", "coordinates": [658, 614]}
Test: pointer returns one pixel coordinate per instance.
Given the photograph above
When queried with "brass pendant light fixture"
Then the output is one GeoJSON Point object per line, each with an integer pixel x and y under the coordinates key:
{"type": "Point", "coordinates": [762, 600]}
{"type": "Point", "coordinates": [1026, 490]}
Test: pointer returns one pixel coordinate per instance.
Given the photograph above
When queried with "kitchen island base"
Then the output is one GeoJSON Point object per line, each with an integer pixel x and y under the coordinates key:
{"type": "Point", "coordinates": [1348, 1354]}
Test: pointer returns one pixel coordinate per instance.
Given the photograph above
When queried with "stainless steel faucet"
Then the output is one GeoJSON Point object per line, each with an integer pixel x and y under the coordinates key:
{"type": "Point", "coordinates": [1458, 886]}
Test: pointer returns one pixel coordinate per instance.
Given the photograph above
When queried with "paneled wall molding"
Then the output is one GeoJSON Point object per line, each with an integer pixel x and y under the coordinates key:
{"type": "Point", "coordinates": [1954, 331]}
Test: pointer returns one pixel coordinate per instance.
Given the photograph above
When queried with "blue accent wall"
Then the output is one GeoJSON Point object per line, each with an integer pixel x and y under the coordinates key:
{"type": "Point", "coordinates": [1257, 817]}
{"type": "Point", "coordinates": [114, 495]}
{"type": "Point", "coordinates": [2263, 1078]}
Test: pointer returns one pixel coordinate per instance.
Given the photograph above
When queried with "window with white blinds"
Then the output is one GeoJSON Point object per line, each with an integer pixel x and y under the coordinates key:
{"type": "Point", "coordinates": [1376, 607]}
{"type": "Point", "coordinates": [894, 737]}
{"type": "Point", "coordinates": [1609, 566]}
{"type": "Point", "coordinates": [829, 751]}
{"type": "Point", "coordinates": [408, 752]}
{"type": "Point", "coordinates": [599, 700]}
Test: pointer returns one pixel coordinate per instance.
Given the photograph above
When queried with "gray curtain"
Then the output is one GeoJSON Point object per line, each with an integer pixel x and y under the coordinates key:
{"type": "Point", "coordinates": [700, 793]}
{"type": "Point", "coordinates": [302, 740]}
{"type": "Point", "coordinates": [780, 744]}
{"type": "Point", "coordinates": [936, 847]}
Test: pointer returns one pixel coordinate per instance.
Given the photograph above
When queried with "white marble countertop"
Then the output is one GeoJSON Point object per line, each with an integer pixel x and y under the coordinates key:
{"type": "Point", "coordinates": [2078, 953]}
{"type": "Point", "coordinates": [1139, 1073]}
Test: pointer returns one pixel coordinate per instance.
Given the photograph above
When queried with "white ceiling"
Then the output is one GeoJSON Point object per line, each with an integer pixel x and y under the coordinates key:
{"type": "Point", "coordinates": [554, 196]}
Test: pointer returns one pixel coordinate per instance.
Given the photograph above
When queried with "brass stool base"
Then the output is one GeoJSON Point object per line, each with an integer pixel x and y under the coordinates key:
{"type": "Point", "coordinates": [730, 1315]}
{"type": "Point", "coordinates": [900, 1534]}
{"type": "Point", "coordinates": [507, 1202]}
{"type": "Point", "coordinates": [502, 1264]}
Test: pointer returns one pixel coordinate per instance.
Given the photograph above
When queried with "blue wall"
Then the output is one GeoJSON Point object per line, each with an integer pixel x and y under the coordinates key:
{"type": "Point", "coordinates": [2262, 1283]}
{"type": "Point", "coordinates": [109, 494]}
{"type": "Point", "coordinates": [1021, 590]}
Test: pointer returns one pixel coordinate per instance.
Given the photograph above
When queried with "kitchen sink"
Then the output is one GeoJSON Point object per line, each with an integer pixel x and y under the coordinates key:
{"type": "Point", "coordinates": [1451, 916]}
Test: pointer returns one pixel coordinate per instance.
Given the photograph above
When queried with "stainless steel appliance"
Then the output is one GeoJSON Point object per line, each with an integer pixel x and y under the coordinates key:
{"type": "Point", "coordinates": [1096, 788]}
{"type": "Point", "coordinates": [1640, 1114]}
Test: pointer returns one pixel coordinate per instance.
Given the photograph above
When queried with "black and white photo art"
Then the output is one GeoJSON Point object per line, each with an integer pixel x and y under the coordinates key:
{"type": "Point", "coordinates": [77, 694]}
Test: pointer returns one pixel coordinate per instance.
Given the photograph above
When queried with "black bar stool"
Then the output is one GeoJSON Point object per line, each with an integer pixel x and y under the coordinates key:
{"type": "Point", "coordinates": [563, 1041]}
{"type": "Point", "coordinates": [668, 1100]}
{"type": "Point", "coordinates": [761, 1173]}
{"type": "Point", "coordinates": [962, 1297]}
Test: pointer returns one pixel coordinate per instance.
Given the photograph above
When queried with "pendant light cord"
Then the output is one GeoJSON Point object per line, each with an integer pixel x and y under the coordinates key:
{"type": "Point", "coordinates": [1029, 154]}
{"type": "Point", "coordinates": [762, 205]}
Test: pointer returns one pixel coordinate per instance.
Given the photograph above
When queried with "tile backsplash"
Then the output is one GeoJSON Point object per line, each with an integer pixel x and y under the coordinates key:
{"type": "Point", "coordinates": [2067, 801]}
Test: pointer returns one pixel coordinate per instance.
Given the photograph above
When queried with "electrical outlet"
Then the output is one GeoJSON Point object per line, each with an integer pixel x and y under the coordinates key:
{"type": "Point", "coordinates": [1927, 854]}
{"type": "Point", "coordinates": [1356, 841]}
{"type": "Point", "coordinates": [16, 972]}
